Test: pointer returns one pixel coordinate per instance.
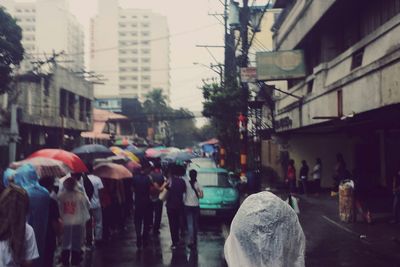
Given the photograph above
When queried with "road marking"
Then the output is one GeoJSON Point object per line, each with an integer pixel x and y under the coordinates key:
{"type": "Point", "coordinates": [346, 229]}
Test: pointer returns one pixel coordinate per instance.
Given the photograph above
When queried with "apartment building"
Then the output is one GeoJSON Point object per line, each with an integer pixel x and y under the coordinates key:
{"type": "Point", "coordinates": [349, 100]}
{"type": "Point", "coordinates": [130, 49]}
{"type": "Point", "coordinates": [48, 27]}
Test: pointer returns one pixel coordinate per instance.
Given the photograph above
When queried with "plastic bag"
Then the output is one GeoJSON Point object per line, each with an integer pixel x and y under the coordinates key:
{"type": "Point", "coordinates": [265, 232]}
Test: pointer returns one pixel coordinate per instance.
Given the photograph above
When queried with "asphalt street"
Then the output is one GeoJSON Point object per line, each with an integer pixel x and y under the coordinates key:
{"type": "Point", "coordinates": [121, 251]}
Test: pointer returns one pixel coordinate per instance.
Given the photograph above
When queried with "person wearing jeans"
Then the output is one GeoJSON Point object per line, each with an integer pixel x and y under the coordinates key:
{"type": "Point", "coordinates": [193, 193]}
{"type": "Point", "coordinates": [175, 208]}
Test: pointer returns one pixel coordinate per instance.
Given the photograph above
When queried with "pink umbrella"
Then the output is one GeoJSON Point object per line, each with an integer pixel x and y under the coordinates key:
{"type": "Point", "coordinates": [111, 171]}
{"type": "Point", "coordinates": [133, 166]}
{"type": "Point", "coordinates": [153, 153]}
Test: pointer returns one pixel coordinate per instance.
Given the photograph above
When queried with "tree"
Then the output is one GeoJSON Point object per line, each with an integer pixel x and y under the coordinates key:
{"type": "Point", "coordinates": [11, 50]}
{"type": "Point", "coordinates": [222, 104]}
{"type": "Point", "coordinates": [183, 128]}
{"type": "Point", "coordinates": [133, 109]}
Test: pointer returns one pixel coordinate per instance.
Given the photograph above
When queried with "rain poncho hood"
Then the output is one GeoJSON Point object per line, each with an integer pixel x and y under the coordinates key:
{"type": "Point", "coordinates": [265, 232]}
{"type": "Point", "coordinates": [39, 199]}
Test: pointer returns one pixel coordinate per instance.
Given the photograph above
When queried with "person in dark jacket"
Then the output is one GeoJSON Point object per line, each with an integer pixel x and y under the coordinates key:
{"type": "Point", "coordinates": [141, 186]}
{"type": "Point", "coordinates": [176, 187]}
{"type": "Point", "coordinates": [304, 175]}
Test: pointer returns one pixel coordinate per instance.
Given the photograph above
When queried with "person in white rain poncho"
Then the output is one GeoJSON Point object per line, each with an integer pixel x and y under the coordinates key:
{"type": "Point", "coordinates": [265, 232]}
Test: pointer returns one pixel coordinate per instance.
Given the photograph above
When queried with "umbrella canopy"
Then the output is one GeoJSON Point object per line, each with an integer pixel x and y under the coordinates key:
{"type": "Point", "coordinates": [44, 166]}
{"type": "Point", "coordinates": [111, 171]}
{"type": "Point", "coordinates": [180, 156]}
{"type": "Point", "coordinates": [70, 159]}
{"type": "Point", "coordinates": [133, 166]}
{"type": "Point", "coordinates": [153, 153]}
{"type": "Point", "coordinates": [88, 153]}
{"type": "Point", "coordinates": [122, 142]}
{"type": "Point", "coordinates": [120, 152]}
{"type": "Point", "coordinates": [136, 151]}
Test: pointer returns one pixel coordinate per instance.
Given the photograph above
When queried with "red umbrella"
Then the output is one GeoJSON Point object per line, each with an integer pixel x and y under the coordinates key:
{"type": "Point", "coordinates": [44, 166]}
{"type": "Point", "coordinates": [111, 171]}
{"type": "Point", "coordinates": [70, 159]}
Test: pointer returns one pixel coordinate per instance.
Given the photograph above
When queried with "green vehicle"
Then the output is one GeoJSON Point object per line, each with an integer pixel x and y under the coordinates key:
{"type": "Point", "coordinates": [221, 197]}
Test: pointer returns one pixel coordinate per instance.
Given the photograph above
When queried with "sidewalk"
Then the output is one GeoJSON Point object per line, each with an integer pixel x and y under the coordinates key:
{"type": "Point", "coordinates": [354, 242]}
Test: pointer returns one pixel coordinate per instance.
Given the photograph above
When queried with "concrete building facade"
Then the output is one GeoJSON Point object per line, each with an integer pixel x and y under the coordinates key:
{"type": "Point", "coordinates": [48, 27]}
{"type": "Point", "coordinates": [53, 109]}
{"type": "Point", "coordinates": [349, 101]}
{"type": "Point", "coordinates": [130, 49]}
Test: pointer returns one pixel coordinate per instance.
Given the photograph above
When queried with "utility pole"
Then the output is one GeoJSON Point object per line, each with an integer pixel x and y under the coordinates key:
{"type": "Point", "coordinates": [244, 61]}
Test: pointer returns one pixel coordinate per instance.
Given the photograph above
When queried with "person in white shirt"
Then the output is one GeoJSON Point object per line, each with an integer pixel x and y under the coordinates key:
{"type": "Point", "coordinates": [17, 238]}
{"type": "Point", "coordinates": [316, 176]}
{"type": "Point", "coordinates": [194, 192]}
{"type": "Point", "coordinates": [95, 208]}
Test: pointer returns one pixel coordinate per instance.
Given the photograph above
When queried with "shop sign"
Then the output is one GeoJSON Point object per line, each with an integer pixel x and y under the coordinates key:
{"type": "Point", "coordinates": [280, 65]}
{"type": "Point", "coordinates": [248, 75]}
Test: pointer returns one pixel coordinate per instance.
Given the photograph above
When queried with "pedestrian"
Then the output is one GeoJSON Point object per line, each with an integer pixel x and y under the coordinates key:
{"type": "Point", "coordinates": [96, 215]}
{"type": "Point", "coordinates": [141, 187]}
{"type": "Point", "coordinates": [304, 176]}
{"type": "Point", "coordinates": [54, 223]}
{"type": "Point", "coordinates": [340, 171]}
{"type": "Point", "coordinates": [74, 210]}
{"type": "Point", "coordinates": [157, 179]}
{"type": "Point", "coordinates": [17, 238]}
{"type": "Point", "coordinates": [291, 176]}
{"type": "Point", "coordinates": [175, 207]}
{"type": "Point", "coordinates": [265, 232]}
{"type": "Point", "coordinates": [396, 198]}
{"type": "Point", "coordinates": [316, 176]}
{"type": "Point", "coordinates": [194, 192]}
{"type": "Point", "coordinates": [39, 199]}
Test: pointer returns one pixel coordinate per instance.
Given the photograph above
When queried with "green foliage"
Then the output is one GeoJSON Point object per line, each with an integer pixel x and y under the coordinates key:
{"type": "Point", "coordinates": [179, 124]}
{"type": "Point", "coordinates": [206, 132]}
{"type": "Point", "coordinates": [11, 50]}
{"type": "Point", "coordinates": [133, 109]}
{"type": "Point", "coordinates": [222, 104]}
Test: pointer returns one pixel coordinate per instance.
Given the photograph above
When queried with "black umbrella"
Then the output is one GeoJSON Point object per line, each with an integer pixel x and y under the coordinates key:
{"type": "Point", "coordinates": [88, 153]}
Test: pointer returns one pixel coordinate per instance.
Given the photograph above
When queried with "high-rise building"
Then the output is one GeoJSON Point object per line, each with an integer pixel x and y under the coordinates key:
{"type": "Point", "coordinates": [48, 27]}
{"type": "Point", "coordinates": [130, 48]}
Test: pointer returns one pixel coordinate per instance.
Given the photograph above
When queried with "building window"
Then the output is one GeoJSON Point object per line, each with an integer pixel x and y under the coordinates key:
{"type": "Point", "coordinates": [310, 85]}
{"type": "Point", "coordinates": [357, 58]}
{"type": "Point", "coordinates": [63, 103]}
{"type": "Point", "coordinates": [88, 110]}
{"type": "Point", "coordinates": [145, 33]}
{"type": "Point", "coordinates": [82, 108]}
{"type": "Point", "coordinates": [340, 102]}
{"type": "Point", "coordinates": [71, 105]}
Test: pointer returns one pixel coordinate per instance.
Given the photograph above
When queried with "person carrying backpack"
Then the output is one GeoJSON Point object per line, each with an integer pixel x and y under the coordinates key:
{"type": "Point", "coordinates": [194, 192]}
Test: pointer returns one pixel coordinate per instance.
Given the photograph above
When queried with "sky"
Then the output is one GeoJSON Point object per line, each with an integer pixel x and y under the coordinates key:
{"type": "Point", "coordinates": [189, 25]}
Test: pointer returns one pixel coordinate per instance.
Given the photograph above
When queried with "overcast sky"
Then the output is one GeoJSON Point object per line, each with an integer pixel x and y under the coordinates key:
{"type": "Point", "coordinates": [189, 25]}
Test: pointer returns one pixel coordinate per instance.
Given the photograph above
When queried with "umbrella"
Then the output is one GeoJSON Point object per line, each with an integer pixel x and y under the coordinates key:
{"type": "Point", "coordinates": [120, 152]}
{"type": "Point", "coordinates": [88, 153]}
{"type": "Point", "coordinates": [44, 166]}
{"type": "Point", "coordinates": [133, 166]}
{"type": "Point", "coordinates": [153, 153]}
{"type": "Point", "coordinates": [70, 159]}
{"type": "Point", "coordinates": [180, 156]}
{"type": "Point", "coordinates": [122, 142]}
{"type": "Point", "coordinates": [136, 151]}
{"type": "Point", "coordinates": [111, 171]}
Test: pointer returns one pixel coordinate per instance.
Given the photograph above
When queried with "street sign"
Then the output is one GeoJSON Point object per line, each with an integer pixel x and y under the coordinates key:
{"type": "Point", "coordinates": [280, 65]}
{"type": "Point", "coordinates": [248, 75]}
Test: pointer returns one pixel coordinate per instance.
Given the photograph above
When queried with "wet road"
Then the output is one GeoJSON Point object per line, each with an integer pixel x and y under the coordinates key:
{"type": "Point", "coordinates": [121, 251]}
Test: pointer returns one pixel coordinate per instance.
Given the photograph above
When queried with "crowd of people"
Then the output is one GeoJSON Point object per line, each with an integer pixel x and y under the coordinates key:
{"type": "Point", "coordinates": [40, 216]}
